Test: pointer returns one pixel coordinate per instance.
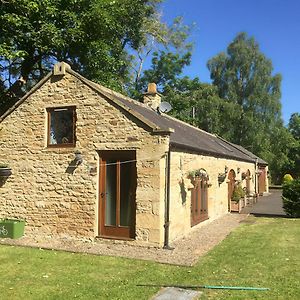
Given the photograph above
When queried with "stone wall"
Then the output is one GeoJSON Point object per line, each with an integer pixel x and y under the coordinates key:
{"type": "Point", "coordinates": [180, 207]}
{"type": "Point", "coordinates": [57, 203]}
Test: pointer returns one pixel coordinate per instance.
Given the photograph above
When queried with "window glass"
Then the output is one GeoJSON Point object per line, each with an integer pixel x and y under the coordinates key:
{"type": "Point", "coordinates": [61, 126]}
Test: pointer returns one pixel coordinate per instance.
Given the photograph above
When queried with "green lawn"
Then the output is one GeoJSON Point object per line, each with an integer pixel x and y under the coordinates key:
{"type": "Point", "coordinates": [263, 254]}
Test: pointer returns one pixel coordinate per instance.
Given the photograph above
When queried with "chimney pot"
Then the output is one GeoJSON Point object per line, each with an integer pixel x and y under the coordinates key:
{"type": "Point", "coordinates": [152, 88]}
{"type": "Point", "coordinates": [152, 98]}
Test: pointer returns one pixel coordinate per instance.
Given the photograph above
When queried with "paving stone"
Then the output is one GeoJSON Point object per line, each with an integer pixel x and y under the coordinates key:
{"type": "Point", "coordinates": [172, 293]}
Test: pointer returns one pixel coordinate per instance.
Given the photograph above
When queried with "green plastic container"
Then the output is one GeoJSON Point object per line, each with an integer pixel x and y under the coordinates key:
{"type": "Point", "coordinates": [13, 229]}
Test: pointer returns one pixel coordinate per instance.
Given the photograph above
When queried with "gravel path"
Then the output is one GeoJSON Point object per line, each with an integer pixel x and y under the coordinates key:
{"type": "Point", "coordinates": [187, 250]}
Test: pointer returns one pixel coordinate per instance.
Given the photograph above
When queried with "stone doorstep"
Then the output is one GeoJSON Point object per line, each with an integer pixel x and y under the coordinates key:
{"type": "Point", "coordinates": [172, 293]}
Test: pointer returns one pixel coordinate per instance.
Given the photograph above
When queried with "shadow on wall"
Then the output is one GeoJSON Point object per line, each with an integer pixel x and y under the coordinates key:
{"type": "Point", "coordinates": [72, 166]}
{"type": "Point", "coordinates": [3, 180]}
{"type": "Point", "coordinates": [183, 192]}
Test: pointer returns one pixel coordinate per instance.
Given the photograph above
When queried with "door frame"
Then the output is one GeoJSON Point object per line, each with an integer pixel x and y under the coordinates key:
{"type": "Point", "coordinates": [118, 231]}
{"type": "Point", "coordinates": [231, 184]}
{"type": "Point", "coordinates": [261, 180]}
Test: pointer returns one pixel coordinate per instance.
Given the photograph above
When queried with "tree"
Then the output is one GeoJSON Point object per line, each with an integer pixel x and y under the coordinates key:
{"type": "Point", "coordinates": [199, 104]}
{"type": "Point", "coordinates": [166, 43]}
{"type": "Point", "coordinates": [291, 198]}
{"type": "Point", "coordinates": [294, 150]}
{"type": "Point", "coordinates": [244, 77]}
{"type": "Point", "coordinates": [294, 125]}
{"type": "Point", "coordinates": [277, 153]}
{"type": "Point", "coordinates": [164, 71]}
{"type": "Point", "coordinates": [92, 35]}
{"type": "Point", "coordinates": [192, 101]}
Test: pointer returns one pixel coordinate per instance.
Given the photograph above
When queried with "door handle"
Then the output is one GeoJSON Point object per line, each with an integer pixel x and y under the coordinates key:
{"type": "Point", "coordinates": [102, 195]}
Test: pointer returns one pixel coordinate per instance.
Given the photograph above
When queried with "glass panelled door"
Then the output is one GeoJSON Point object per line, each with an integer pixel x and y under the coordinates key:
{"type": "Point", "coordinates": [117, 194]}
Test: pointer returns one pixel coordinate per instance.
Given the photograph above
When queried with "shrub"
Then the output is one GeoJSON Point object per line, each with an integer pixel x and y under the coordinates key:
{"type": "Point", "coordinates": [287, 178]}
{"type": "Point", "coordinates": [238, 193]}
{"type": "Point", "coordinates": [291, 198]}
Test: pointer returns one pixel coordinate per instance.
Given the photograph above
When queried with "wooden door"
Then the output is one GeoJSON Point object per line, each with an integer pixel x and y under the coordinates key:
{"type": "Point", "coordinates": [231, 184]}
{"type": "Point", "coordinates": [248, 180]}
{"type": "Point", "coordinates": [117, 188]}
{"type": "Point", "coordinates": [199, 197]}
{"type": "Point", "coordinates": [261, 180]}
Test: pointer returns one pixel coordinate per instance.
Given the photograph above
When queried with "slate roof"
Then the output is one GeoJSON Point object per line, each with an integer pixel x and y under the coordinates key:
{"type": "Point", "coordinates": [189, 137]}
{"type": "Point", "coordinates": [182, 135]}
{"type": "Point", "coordinates": [259, 160]}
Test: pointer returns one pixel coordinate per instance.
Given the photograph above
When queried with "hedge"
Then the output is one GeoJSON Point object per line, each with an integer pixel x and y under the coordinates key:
{"type": "Point", "coordinates": [291, 198]}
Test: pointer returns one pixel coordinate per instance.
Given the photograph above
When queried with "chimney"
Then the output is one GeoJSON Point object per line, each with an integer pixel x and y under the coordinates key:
{"type": "Point", "coordinates": [152, 98]}
{"type": "Point", "coordinates": [60, 68]}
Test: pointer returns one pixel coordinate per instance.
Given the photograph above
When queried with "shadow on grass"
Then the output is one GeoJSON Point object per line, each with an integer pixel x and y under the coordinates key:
{"type": "Point", "coordinates": [264, 215]}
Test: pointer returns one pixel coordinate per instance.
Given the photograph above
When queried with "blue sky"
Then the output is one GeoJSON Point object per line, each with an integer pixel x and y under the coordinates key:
{"type": "Point", "coordinates": [275, 24]}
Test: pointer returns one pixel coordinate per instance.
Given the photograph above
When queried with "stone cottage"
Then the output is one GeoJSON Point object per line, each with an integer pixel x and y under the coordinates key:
{"type": "Point", "coordinates": [89, 162]}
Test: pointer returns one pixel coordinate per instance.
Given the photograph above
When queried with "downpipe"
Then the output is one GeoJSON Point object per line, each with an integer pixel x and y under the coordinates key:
{"type": "Point", "coordinates": [167, 202]}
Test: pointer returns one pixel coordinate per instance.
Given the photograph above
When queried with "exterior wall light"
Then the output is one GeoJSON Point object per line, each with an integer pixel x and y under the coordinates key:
{"type": "Point", "coordinates": [238, 170]}
{"type": "Point", "coordinates": [78, 157]}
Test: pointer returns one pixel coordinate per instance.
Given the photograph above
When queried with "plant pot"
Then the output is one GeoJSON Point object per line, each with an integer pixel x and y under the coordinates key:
{"type": "Point", "coordinates": [221, 178]}
{"type": "Point", "coordinates": [13, 229]}
{"type": "Point", "coordinates": [235, 206]}
{"type": "Point", "coordinates": [5, 172]}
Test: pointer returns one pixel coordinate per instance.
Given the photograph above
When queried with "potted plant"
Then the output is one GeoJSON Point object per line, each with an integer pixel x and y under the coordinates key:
{"type": "Point", "coordinates": [244, 175]}
{"type": "Point", "coordinates": [237, 198]}
{"type": "Point", "coordinates": [221, 177]}
{"type": "Point", "coordinates": [199, 173]}
{"type": "Point", "coordinates": [5, 170]}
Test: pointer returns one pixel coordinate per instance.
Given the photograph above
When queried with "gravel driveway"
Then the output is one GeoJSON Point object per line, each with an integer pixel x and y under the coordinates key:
{"type": "Point", "coordinates": [187, 250]}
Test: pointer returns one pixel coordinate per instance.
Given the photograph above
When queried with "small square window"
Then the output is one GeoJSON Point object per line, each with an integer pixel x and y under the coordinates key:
{"type": "Point", "coordinates": [61, 127]}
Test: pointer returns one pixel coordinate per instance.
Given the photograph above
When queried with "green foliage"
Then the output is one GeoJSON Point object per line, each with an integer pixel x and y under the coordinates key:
{"type": "Point", "coordinates": [294, 149]}
{"type": "Point", "coordinates": [243, 73]}
{"type": "Point", "coordinates": [93, 36]}
{"type": "Point", "coordinates": [198, 173]}
{"type": "Point", "coordinates": [244, 77]}
{"type": "Point", "coordinates": [238, 193]}
{"type": "Point", "coordinates": [287, 178]}
{"type": "Point", "coordinates": [164, 42]}
{"type": "Point", "coordinates": [165, 69]}
{"type": "Point", "coordinates": [278, 154]}
{"type": "Point", "coordinates": [294, 125]}
{"type": "Point", "coordinates": [291, 198]}
{"type": "Point", "coordinates": [199, 104]}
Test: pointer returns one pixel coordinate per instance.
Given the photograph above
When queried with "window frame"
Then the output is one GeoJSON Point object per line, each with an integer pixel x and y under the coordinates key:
{"type": "Point", "coordinates": [50, 110]}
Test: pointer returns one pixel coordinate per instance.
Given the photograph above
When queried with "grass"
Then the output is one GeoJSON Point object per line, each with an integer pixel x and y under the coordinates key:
{"type": "Point", "coordinates": [260, 254]}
